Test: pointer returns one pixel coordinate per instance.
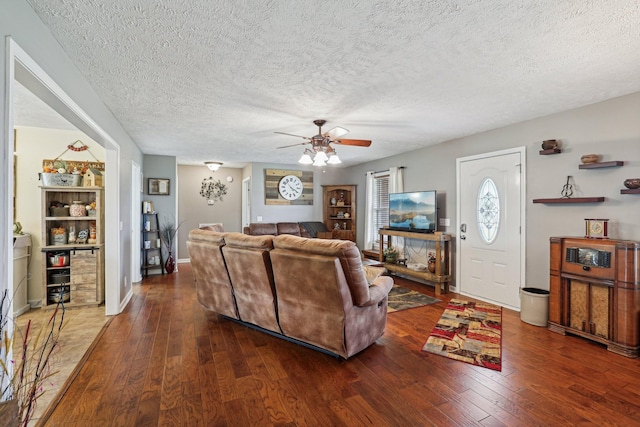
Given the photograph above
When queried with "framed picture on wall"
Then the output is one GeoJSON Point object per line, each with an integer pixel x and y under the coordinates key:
{"type": "Point", "coordinates": [158, 186]}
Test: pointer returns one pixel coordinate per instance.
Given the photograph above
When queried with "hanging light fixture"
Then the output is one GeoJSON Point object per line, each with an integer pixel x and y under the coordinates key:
{"type": "Point", "coordinates": [214, 166]}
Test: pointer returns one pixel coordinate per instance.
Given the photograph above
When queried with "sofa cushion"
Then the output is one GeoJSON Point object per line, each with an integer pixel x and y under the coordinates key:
{"type": "Point", "coordinates": [263, 228]}
{"type": "Point", "coordinates": [314, 227]}
{"type": "Point", "coordinates": [292, 228]}
{"type": "Point", "coordinates": [345, 250]}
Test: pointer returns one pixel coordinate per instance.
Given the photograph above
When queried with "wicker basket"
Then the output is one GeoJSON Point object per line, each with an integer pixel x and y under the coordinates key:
{"type": "Point", "coordinates": [59, 211]}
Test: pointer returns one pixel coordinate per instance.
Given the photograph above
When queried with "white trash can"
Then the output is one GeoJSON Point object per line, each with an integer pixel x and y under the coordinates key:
{"type": "Point", "coordinates": [534, 306]}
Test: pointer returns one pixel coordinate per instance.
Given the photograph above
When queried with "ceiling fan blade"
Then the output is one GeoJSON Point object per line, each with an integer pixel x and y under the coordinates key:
{"type": "Point", "coordinates": [290, 134]}
{"type": "Point", "coordinates": [336, 132]}
{"type": "Point", "coordinates": [294, 145]}
{"type": "Point", "coordinates": [356, 142]}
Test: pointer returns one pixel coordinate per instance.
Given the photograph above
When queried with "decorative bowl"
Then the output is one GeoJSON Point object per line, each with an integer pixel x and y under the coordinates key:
{"type": "Point", "coordinates": [589, 158]}
{"type": "Point", "coordinates": [549, 144]}
{"type": "Point", "coordinates": [632, 183]}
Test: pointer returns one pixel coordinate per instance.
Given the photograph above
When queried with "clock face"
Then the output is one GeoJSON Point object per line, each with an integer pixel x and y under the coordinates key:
{"type": "Point", "coordinates": [597, 228]}
{"type": "Point", "coordinates": [290, 187]}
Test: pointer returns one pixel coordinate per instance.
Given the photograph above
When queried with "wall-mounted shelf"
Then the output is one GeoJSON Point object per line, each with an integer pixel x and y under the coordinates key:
{"type": "Point", "coordinates": [570, 200]}
{"type": "Point", "coordinates": [613, 164]}
{"type": "Point", "coordinates": [550, 151]}
{"type": "Point", "coordinates": [630, 191]}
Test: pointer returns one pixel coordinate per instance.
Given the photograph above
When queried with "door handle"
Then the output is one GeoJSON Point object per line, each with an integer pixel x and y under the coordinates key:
{"type": "Point", "coordinates": [463, 237]}
{"type": "Point", "coordinates": [463, 228]}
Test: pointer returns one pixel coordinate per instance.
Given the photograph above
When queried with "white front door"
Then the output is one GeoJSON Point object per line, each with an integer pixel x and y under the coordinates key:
{"type": "Point", "coordinates": [490, 218]}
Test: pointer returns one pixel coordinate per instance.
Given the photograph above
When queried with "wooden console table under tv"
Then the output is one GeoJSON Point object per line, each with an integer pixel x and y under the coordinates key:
{"type": "Point", "coordinates": [442, 275]}
{"type": "Point", "coordinates": [595, 291]}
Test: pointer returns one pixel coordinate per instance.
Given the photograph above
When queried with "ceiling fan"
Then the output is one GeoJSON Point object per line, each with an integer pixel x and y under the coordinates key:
{"type": "Point", "coordinates": [321, 150]}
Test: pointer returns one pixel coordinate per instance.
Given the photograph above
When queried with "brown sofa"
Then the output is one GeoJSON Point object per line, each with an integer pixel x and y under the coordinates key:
{"type": "Point", "coordinates": [310, 291]}
{"type": "Point", "coordinates": [275, 229]}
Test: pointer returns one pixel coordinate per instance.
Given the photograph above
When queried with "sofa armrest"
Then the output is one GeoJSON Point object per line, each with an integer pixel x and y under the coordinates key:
{"type": "Point", "coordinates": [379, 290]}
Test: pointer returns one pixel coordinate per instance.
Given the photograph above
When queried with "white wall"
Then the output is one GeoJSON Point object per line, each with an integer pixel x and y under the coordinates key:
{"type": "Point", "coordinates": [610, 128]}
{"type": "Point", "coordinates": [20, 22]}
{"type": "Point", "coordinates": [32, 146]}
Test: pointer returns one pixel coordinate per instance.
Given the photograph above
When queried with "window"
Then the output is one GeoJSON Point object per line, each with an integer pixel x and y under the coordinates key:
{"type": "Point", "coordinates": [488, 211]}
{"type": "Point", "coordinates": [380, 206]}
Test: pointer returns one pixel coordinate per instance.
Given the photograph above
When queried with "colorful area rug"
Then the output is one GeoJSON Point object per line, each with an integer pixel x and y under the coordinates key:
{"type": "Point", "coordinates": [401, 298]}
{"type": "Point", "coordinates": [470, 332]}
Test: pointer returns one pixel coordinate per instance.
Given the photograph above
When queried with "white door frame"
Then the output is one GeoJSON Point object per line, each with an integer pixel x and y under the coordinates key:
{"type": "Point", "coordinates": [523, 204]}
{"type": "Point", "coordinates": [136, 189]}
{"type": "Point", "coordinates": [21, 65]}
{"type": "Point", "coordinates": [246, 202]}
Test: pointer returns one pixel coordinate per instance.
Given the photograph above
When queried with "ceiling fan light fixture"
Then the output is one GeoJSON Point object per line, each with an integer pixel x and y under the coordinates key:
{"type": "Point", "coordinates": [320, 156]}
{"type": "Point", "coordinates": [319, 162]}
{"type": "Point", "coordinates": [214, 166]}
{"type": "Point", "coordinates": [334, 160]}
{"type": "Point", "coordinates": [305, 159]}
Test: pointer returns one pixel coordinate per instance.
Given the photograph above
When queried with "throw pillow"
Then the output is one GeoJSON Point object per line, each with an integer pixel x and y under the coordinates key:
{"type": "Point", "coordinates": [372, 273]}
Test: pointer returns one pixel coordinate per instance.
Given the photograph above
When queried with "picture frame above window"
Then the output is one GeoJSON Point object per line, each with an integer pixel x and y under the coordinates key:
{"type": "Point", "coordinates": [158, 186]}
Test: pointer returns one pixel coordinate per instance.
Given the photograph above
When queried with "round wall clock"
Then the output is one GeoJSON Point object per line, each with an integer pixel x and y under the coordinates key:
{"type": "Point", "coordinates": [290, 187]}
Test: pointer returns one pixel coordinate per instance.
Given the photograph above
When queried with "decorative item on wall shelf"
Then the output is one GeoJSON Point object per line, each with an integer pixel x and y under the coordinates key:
{"type": "Point", "coordinates": [567, 189]}
{"type": "Point", "coordinates": [632, 183]}
{"type": "Point", "coordinates": [589, 158]}
{"type": "Point", "coordinates": [213, 190]}
{"type": "Point", "coordinates": [158, 186]}
{"type": "Point", "coordinates": [550, 146]}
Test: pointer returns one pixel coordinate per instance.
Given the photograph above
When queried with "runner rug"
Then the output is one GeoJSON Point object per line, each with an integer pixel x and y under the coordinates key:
{"type": "Point", "coordinates": [401, 298]}
{"type": "Point", "coordinates": [470, 332]}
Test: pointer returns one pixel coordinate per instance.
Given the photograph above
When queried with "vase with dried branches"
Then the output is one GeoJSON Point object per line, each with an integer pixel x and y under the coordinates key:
{"type": "Point", "coordinates": [168, 232]}
{"type": "Point", "coordinates": [23, 375]}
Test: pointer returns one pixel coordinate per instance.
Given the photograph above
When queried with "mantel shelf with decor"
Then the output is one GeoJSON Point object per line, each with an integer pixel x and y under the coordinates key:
{"type": "Point", "coordinates": [570, 200]}
{"type": "Point", "coordinates": [550, 151]}
{"type": "Point", "coordinates": [613, 164]}
{"type": "Point", "coordinates": [630, 191]}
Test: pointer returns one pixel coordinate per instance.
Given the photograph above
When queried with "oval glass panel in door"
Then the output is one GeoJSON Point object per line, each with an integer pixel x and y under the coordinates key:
{"type": "Point", "coordinates": [488, 212]}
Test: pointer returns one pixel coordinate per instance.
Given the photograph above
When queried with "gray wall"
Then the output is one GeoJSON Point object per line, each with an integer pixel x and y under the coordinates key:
{"type": "Point", "coordinates": [162, 167]}
{"type": "Point", "coordinates": [193, 208]}
{"type": "Point", "coordinates": [610, 128]}
{"type": "Point", "coordinates": [18, 20]}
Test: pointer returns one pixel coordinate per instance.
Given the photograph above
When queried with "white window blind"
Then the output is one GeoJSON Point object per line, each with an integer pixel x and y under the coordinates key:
{"type": "Point", "coordinates": [380, 205]}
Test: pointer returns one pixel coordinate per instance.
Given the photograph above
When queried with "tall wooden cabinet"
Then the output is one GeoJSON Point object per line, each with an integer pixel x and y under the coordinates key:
{"type": "Point", "coordinates": [339, 211]}
{"type": "Point", "coordinates": [72, 246]}
{"type": "Point", "coordinates": [595, 291]}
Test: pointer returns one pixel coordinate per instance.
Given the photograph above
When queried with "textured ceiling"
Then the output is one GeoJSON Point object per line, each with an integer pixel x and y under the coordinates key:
{"type": "Point", "coordinates": [212, 80]}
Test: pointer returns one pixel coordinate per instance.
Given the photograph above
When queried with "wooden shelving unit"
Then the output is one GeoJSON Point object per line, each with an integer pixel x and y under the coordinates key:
{"type": "Point", "coordinates": [550, 151]}
{"type": "Point", "coordinates": [630, 191]}
{"type": "Point", "coordinates": [570, 200]}
{"type": "Point", "coordinates": [442, 275]}
{"type": "Point", "coordinates": [599, 165]}
{"type": "Point", "coordinates": [339, 211]}
{"type": "Point", "coordinates": [151, 246]}
{"type": "Point", "coordinates": [81, 279]}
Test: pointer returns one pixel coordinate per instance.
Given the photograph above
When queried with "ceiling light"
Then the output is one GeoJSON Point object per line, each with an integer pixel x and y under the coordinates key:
{"type": "Point", "coordinates": [334, 160]}
{"type": "Point", "coordinates": [319, 162]}
{"type": "Point", "coordinates": [214, 166]}
{"type": "Point", "coordinates": [320, 156]}
{"type": "Point", "coordinates": [305, 159]}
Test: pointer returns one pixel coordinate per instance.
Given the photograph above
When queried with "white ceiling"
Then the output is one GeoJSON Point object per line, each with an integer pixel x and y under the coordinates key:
{"type": "Point", "coordinates": [205, 80]}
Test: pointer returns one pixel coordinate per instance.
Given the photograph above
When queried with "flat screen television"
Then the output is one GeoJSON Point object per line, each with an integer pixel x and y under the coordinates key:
{"type": "Point", "coordinates": [416, 211]}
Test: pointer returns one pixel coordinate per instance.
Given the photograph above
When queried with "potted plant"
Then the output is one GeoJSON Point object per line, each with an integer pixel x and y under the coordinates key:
{"type": "Point", "coordinates": [390, 254]}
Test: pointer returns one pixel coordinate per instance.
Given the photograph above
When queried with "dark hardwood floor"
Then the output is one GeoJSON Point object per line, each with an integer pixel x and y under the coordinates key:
{"type": "Point", "coordinates": [166, 361]}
